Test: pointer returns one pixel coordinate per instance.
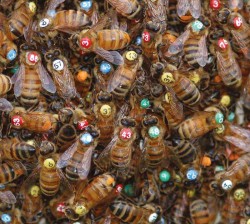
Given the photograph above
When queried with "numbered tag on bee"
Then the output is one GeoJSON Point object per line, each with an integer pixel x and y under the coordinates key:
{"type": "Point", "coordinates": [17, 121]}
{"type": "Point", "coordinates": [222, 43]}
{"type": "Point", "coordinates": [126, 133]}
{"type": "Point", "coordinates": [86, 5]}
{"type": "Point", "coordinates": [215, 4]}
{"type": "Point", "coordinates": [32, 57]}
{"type": "Point", "coordinates": [146, 36]}
{"type": "Point", "coordinates": [237, 22]}
{"type": "Point", "coordinates": [58, 65]}
{"type": "Point", "coordinates": [44, 22]}
{"type": "Point", "coordinates": [131, 55]}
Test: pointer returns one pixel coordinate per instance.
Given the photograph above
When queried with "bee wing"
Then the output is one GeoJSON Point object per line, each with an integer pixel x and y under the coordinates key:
{"type": "Point", "coordinates": [66, 156]}
{"type": "Point", "coordinates": [182, 7]}
{"type": "Point", "coordinates": [222, 66]}
{"type": "Point", "coordinates": [157, 11]}
{"type": "Point", "coordinates": [84, 167]}
{"type": "Point", "coordinates": [47, 82]}
{"type": "Point", "coordinates": [195, 8]}
{"type": "Point", "coordinates": [125, 6]}
{"type": "Point", "coordinates": [16, 79]}
{"type": "Point", "coordinates": [114, 79]}
{"type": "Point", "coordinates": [202, 56]}
{"type": "Point", "coordinates": [5, 105]}
{"type": "Point", "coordinates": [178, 44]}
{"type": "Point", "coordinates": [64, 180]}
{"type": "Point", "coordinates": [242, 43]}
{"type": "Point", "coordinates": [239, 137]}
{"type": "Point", "coordinates": [8, 197]}
{"type": "Point", "coordinates": [235, 4]}
{"type": "Point", "coordinates": [111, 56]}
{"type": "Point", "coordinates": [53, 4]}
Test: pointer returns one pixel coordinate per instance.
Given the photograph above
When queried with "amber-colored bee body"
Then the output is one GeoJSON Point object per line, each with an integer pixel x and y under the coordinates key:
{"type": "Point", "coordinates": [12, 149]}
{"type": "Point", "coordinates": [92, 195]}
{"type": "Point", "coordinates": [172, 14]}
{"type": "Point", "coordinates": [199, 211]}
{"type": "Point", "coordinates": [11, 171]}
{"type": "Point", "coordinates": [209, 97]}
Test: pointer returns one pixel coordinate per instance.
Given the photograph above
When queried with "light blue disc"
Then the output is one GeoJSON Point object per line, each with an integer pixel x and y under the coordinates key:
{"type": "Point", "coordinates": [11, 55]}
{"type": "Point", "coordinates": [105, 67]}
{"type": "Point", "coordinates": [138, 40]}
{"type": "Point", "coordinates": [86, 5]}
{"type": "Point", "coordinates": [231, 116]}
{"type": "Point", "coordinates": [197, 26]}
{"type": "Point", "coordinates": [6, 218]}
{"type": "Point", "coordinates": [192, 174]}
{"type": "Point", "coordinates": [86, 138]}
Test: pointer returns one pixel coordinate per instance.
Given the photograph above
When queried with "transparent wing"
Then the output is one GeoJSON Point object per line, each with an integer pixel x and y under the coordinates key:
{"type": "Point", "coordinates": [242, 43]}
{"type": "Point", "coordinates": [111, 56]}
{"type": "Point", "coordinates": [202, 56]}
{"type": "Point", "coordinates": [114, 80]}
{"type": "Point", "coordinates": [84, 166]}
{"type": "Point", "coordinates": [64, 180]}
{"type": "Point", "coordinates": [17, 78]}
{"type": "Point", "coordinates": [235, 4]}
{"type": "Point", "coordinates": [66, 156]}
{"type": "Point", "coordinates": [195, 8]}
{"type": "Point", "coordinates": [182, 7]}
{"type": "Point", "coordinates": [5, 105]}
{"type": "Point", "coordinates": [53, 4]}
{"type": "Point", "coordinates": [47, 82]}
{"type": "Point", "coordinates": [125, 6]}
{"type": "Point", "coordinates": [8, 197]}
{"type": "Point", "coordinates": [178, 44]}
{"type": "Point", "coordinates": [157, 11]}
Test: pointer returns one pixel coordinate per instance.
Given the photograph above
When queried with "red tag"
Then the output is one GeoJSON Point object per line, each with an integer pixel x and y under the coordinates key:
{"type": "Point", "coordinates": [60, 208]}
{"type": "Point", "coordinates": [215, 4]}
{"type": "Point", "coordinates": [33, 57]}
{"type": "Point", "coordinates": [82, 124]}
{"type": "Point", "coordinates": [126, 133]}
{"type": "Point", "coordinates": [146, 36]}
{"type": "Point", "coordinates": [222, 43]}
{"type": "Point", "coordinates": [237, 22]}
{"type": "Point", "coordinates": [118, 188]}
{"type": "Point", "coordinates": [17, 121]}
{"type": "Point", "coordinates": [86, 42]}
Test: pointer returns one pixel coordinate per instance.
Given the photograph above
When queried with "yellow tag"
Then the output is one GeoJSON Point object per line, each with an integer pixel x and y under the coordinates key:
{"type": "Point", "coordinates": [80, 210]}
{"type": "Point", "coordinates": [239, 194]}
{"type": "Point", "coordinates": [225, 100]}
{"type": "Point", "coordinates": [35, 191]}
{"type": "Point", "coordinates": [220, 129]}
{"type": "Point", "coordinates": [167, 77]}
{"type": "Point", "coordinates": [32, 7]}
{"type": "Point", "coordinates": [248, 221]}
{"type": "Point", "coordinates": [49, 163]}
{"type": "Point", "coordinates": [110, 181]}
{"type": "Point", "coordinates": [131, 55]}
{"type": "Point", "coordinates": [105, 110]}
{"type": "Point", "coordinates": [194, 77]}
{"type": "Point", "coordinates": [168, 98]}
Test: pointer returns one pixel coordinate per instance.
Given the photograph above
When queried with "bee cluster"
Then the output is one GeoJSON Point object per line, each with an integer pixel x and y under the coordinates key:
{"type": "Point", "coordinates": [125, 111]}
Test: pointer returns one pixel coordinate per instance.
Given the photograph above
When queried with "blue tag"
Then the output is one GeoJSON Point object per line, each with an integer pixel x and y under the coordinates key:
{"type": "Point", "coordinates": [6, 218]}
{"type": "Point", "coordinates": [138, 40]}
{"type": "Point", "coordinates": [86, 138]}
{"type": "Point", "coordinates": [11, 55]}
{"type": "Point", "coordinates": [86, 5]}
{"type": "Point", "coordinates": [197, 26]}
{"type": "Point", "coordinates": [105, 67]}
{"type": "Point", "coordinates": [192, 174]}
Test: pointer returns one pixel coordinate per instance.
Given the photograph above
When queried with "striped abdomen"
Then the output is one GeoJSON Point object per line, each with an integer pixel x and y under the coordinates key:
{"type": "Point", "coordinates": [49, 181]}
{"type": "Point", "coordinates": [11, 171]}
{"type": "Point", "coordinates": [244, 38]}
{"type": "Point", "coordinates": [106, 130]}
{"type": "Point", "coordinates": [112, 39]}
{"type": "Point", "coordinates": [31, 87]}
{"type": "Point", "coordinates": [70, 18]}
{"type": "Point", "coordinates": [172, 15]}
{"type": "Point", "coordinates": [186, 91]}
{"type": "Point", "coordinates": [191, 51]}
{"type": "Point", "coordinates": [66, 136]}
{"type": "Point", "coordinates": [5, 84]}
{"type": "Point", "coordinates": [199, 212]}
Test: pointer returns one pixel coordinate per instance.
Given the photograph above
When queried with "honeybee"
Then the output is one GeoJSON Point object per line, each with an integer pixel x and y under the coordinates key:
{"type": "Point", "coordinates": [245, 99]}
{"type": "Point", "coordinates": [173, 109]}
{"type": "Point", "coordinates": [30, 78]}
{"type": "Point", "coordinates": [123, 77]}
{"type": "Point", "coordinates": [58, 66]}
{"type": "Point", "coordinates": [186, 6]}
{"type": "Point", "coordinates": [172, 14]}
{"type": "Point", "coordinates": [131, 9]}
{"type": "Point", "coordinates": [199, 211]}
{"type": "Point", "coordinates": [235, 5]}
{"type": "Point", "coordinates": [236, 173]}
{"type": "Point", "coordinates": [143, 214]}
{"type": "Point", "coordinates": [156, 12]}
{"type": "Point", "coordinates": [33, 120]}
{"type": "Point", "coordinates": [101, 41]}
{"type": "Point", "coordinates": [32, 204]}
{"type": "Point", "coordinates": [13, 149]}
{"type": "Point", "coordinates": [77, 158]}
{"type": "Point", "coordinates": [199, 124]}
{"type": "Point", "coordinates": [209, 97]}
{"type": "Point", "coordinates": [151, 39]}
{"type": "Point", "coordinates": [193, 42]}
{"type": "Point", "coordinates": [105, 112]}
{"type": "Point", "coordinates": [11, 171]}
{"type": "Point", "coordinates": [92, 195]}
{"type": "Point", "coordinates": [20, 19]}
{"type": "Point", "coordinates": [153, 132]}
{"type": "Point", "coordinates": [5, 84]}
{"type": "Point", "coordinates": [8, 50]}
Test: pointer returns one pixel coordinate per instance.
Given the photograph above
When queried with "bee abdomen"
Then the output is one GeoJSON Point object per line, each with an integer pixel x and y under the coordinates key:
{"type": "Point", "coordinates": [5, 85]}
{"type": "Point", "coordinates": [199, 212]}
{"type": "Point", "coordinates": [22, 151]}
{"type": "Point", "coordinates": [11, 171]}
{"type": "Point", "coordinates": [49, 182]}
{"type": "Point", "coordinates": [120, 157]}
